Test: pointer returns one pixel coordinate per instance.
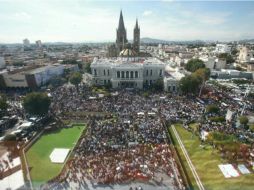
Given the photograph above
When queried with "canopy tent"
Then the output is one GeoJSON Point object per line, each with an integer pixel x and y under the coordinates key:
{"type": "Point", "coordinates": [59, 155]}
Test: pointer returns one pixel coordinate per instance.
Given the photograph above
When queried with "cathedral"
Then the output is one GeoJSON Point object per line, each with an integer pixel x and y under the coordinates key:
{"type": "Point", "coordinates": [122, 44]}
{"type": "Point", "coordinates": [126, 66]}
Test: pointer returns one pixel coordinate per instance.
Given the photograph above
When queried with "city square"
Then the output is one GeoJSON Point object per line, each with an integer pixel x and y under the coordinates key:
{"type": "Point", "coordinates": [165, 101]}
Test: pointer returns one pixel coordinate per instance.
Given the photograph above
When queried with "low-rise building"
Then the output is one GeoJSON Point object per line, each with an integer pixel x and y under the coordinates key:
{"type": "Point", "coordinates": [222, 48]}
{"type": "Point", "coordinates": [245, 55]}
{"type": "Point", "coordinates": [2, 62]}
{"type": "Point", "coordinates": [130, 71]}
{"type": "Point", "coordinates": [29, 77]}
{"type": "Point", "coordinates": [171, 81]}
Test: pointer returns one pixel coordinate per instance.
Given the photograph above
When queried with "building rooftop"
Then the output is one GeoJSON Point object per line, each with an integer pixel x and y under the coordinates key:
{"type": "Point", "coordinates": [124, 61]}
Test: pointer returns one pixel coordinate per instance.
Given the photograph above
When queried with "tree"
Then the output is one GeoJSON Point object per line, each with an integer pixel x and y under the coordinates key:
{"type": "Point", "coordinates": [229, 59]}
{"type": "Point", "coordinates": [70, 62]}
{"type": "Point", "coordinates": [243, 120]}
{"type": "Point", "coordinates": [10, 137]}
{"type": "Point", "coordinates": [36, 103]}
{"type": "Point", "coordinates": [57, 81]}
{"type": "Point", "coordinates": [212, 109]}
{"type": "Point", "coordinates": [158, 85]}
{"type": "Point", "coordinates": [189, 84]}
{"type": "Point", "coordinates": [203, 74]}
{"type": "Point", "coordinates": [194, 64]}
{"type": "Point", "coordinates": [3, 103]}
{"type": "Point", "coordinates": [234, 51]}
{"type": "Point", "coordinates": [75, 79]}
{"type": "Point", "coordinates": [88, 68]}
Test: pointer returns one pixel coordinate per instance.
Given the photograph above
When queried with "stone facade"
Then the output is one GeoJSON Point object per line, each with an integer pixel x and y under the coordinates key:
{"type": "Point", "coordinates": [122, 73]}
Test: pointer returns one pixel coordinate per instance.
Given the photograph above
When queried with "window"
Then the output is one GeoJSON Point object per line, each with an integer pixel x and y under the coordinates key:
{"type": "Point", "coordinates": [131, 74]}
{"type": "Point", "coordinates": [146, 72]}
{"type": "Point", "coordinates": [95, 73]}
{"type": "Point", "coordinates": [136, 74]}
{"type": "Point", "coordinates": [108, 72]}
{"type": "Point", "coordinates": [118, 74]}
{"type": "Point", "coordinates": [105, 82]}
{"type": "Point", "coordinates": [104, 72]}
{"type": "Point", "coordinates": [127, 74]}
{"type": "Point", "coordinates": [122, 74]}
{"type": "Point", "coordinates": [160, 72]}
{"type": "Point", "coordinates": [151, 72]}
{"type": "Point", "coordinates": [151, 82]}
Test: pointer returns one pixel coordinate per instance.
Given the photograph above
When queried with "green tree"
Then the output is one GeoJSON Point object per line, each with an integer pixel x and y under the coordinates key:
{"type": "Point", "coordinates": [3, 103]}
{"type": "Point", "coordinates": [36, 103]}
{"type": "Point", "coordinates": [203, 74]}
{"type": "Point", "coordinates": [57, 81]}
{"type": "Point", "coordinates": [234, 51]}
{"type": "Point", "coordinates": [75, 79]}
{"type": "Point", "coordinates": [243, 120]}
{"type": "Point", "coordinates": [10, 137]}
{"type": "Point", "coordinates": [212, 109]}
{"type": "Point", "coordinates": [194, 64]}
{"type": "Point", "coordinates": [70, 62]}
{"type": "Point", "coordinates": [88, 68]}
{"type": "Point", "coordinates": [189, 84]}
{"type": "Point", "coordinates": [229, 59]}
{"type": "Point", "coordinates": [158, 85]}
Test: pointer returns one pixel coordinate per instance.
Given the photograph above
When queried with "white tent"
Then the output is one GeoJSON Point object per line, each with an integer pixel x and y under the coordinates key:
{"type": "Point", "coordinates": [59, 155]}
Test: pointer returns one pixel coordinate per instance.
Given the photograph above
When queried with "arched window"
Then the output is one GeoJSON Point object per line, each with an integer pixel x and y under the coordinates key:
{"type": "Point", "coordinates": [122, 74]}
{"type": "Point", "coordinates": [131, 74]}
{"type": "Point", "coordinates": [118, 74]}
{"type": "Point", "coordinates": [127, 74]}
{"type": "Point", "coordinates": [136, 74]}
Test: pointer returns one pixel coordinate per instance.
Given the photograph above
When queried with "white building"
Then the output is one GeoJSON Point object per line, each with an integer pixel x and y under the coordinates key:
{"type": "Point", "coordinates": [122, 72]}
{"type": "Point", "coordinates": [31, 77]}
{"type": "Point", "coordinates": [245, 55]}
{"type": "Point", "coordinates": [2, 63]}
{"type": "Point", "coordinates": [222, 48]}
{"type": "Point", "coordinates": [214, 63]}
{"type": "Point", "coordinates": [171, 79]}
{"type": "Point", "coordinates": [38, 43]}
{"type": "Point", "coordinates": [26, 43]}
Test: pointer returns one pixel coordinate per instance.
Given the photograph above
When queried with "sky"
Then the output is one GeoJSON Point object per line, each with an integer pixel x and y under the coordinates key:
{"type": "Point", "coordinates": [96, 21]}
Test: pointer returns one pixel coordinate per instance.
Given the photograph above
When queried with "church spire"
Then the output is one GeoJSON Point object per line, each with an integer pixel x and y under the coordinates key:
{"type": "Point", "coordinates": [121, 23]}
{"type": "Point", "coordinates": [136, 23]}
{"type": "Point", "coordinates": [121, 38]}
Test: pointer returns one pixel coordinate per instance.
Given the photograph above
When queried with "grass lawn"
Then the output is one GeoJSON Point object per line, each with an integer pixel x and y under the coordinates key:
{"type": "Point", "coordinates": [41, 168]}
{"type": "Point", "coordinates": [206, 163]}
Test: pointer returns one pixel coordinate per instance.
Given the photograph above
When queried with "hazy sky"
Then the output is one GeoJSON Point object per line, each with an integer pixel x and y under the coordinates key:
{"type": "Point", "coordinates": [82, 21]}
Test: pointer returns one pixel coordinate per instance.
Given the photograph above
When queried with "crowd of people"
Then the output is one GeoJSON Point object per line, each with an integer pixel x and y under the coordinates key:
{"type": "Point", "coordinates": [132, 144]}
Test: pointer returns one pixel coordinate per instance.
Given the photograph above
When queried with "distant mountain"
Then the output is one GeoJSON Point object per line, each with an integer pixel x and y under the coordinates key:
{"type": "Point", "coordinates": [154, 41]}
{"type": "Point", "coordinates": [247, 41]}
{"type": "Point", "coordinates": [147, 40]}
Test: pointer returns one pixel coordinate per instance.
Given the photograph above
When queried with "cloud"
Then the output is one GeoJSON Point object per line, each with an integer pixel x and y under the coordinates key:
{"type": "Point", "coordinates": [22, 16]}
{"type": "Point", "coordinates": [214, 18]}
{"type": "Point", "coordinates": [147, 13]}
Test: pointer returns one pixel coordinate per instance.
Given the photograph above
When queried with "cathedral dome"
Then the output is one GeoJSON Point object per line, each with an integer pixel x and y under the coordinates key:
{"type": "Point", "coordinates": [128, 53]}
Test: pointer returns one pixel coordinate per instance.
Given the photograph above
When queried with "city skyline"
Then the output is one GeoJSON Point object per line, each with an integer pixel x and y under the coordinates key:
{"type": "Point", "coordinates": [89, 21]}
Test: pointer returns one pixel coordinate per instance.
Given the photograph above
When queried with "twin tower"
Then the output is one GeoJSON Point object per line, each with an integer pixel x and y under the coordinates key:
{"type": "Point", "coordinates": [121, 39]}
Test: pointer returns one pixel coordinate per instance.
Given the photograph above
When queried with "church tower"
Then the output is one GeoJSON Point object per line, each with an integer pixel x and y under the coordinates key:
{"type": "Point", "coordinates": [121, 38]}
{"type": "Point", "coordinates": [136, 37]}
